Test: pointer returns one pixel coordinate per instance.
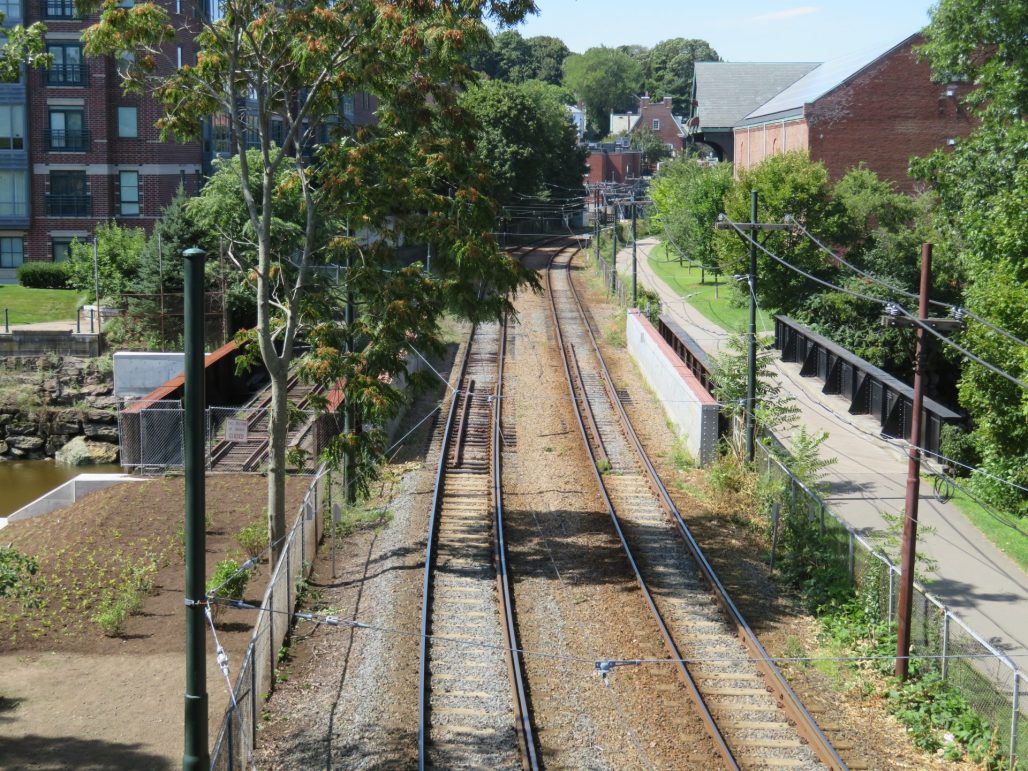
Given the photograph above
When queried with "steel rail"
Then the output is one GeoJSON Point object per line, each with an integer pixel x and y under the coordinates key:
{"type": "Point", "coordinates": [426, 587]}
{"type": "Point", "coordinates": [806, 725]}
{"type": "Point", "coordinates": [454, 432]}
{"type": "Point", "coordinates": [704, 712]}
{"type": "Point", "coordinates": [522, 712]}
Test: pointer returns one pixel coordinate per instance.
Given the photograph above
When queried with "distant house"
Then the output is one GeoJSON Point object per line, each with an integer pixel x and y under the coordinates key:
{"type": "Point", "coordinates": [723, 93]}
{"type": "Point", "coordinates": [655, 116]}
{"type": "Point", "coordinates": [879, 107]}
{"type": "Point", "coordinates": [577, 116]}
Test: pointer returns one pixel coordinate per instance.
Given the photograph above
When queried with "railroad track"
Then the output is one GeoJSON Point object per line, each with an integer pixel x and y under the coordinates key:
{"type": "Point", "coordinates": [747, 707]}
{"type": "Point", "coordinates": [473, 711]}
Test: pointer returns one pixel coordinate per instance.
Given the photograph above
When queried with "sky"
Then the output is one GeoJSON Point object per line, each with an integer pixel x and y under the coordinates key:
{"type": "Point", "coordinates": [739, 30]}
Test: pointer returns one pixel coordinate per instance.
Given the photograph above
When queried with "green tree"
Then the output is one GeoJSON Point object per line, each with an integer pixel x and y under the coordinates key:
{"type": "Point", "coordinates": [22, 47]}
{"type": "Point", "coordinates": [652, 145]}
{"type": "Point", "coordinates": [278, 74]}
{"type": "Point", "coordinates": [606, 80]}
{"type": "Point", "coordinates": [117, 257]}
{"type": "Point", "coordinates": [668, 68]}
{"type": "Point", "coordinates": [547, 55]}
{"type": "Point", "coordinates": [525, 139]}
{"type": "Point", "coordinates": [791, 184]}
{"type": "Point", "coordinates": [982, 185]}
{"type": "Point", "coordinates": [689, 197]}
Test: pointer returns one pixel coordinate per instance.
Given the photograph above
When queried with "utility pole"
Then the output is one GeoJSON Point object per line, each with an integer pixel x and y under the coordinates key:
{"type": "Point", "coordinates": [753, 227]}
{"type": "Point", "coordinates": [349, 489]}
{"type": "Point", "coordinates": [195, 756]}
{"type": "Point", "coordinates": [635, 286]}
{"type": "Point", "coordinates": [614, 253]}
{"type": "Point", "coordinates": [751, 350]}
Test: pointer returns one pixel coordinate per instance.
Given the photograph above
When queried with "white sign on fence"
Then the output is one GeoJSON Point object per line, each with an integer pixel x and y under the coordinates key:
{"type": "Point", "coordinates": [236, 430]}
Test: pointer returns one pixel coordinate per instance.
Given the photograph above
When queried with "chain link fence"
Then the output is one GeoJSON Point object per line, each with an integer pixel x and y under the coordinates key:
{"type": "Point", "coordinates": [237, 736]}
{"type": "Point", "coordinates": [613, 282]}
{"type": "Point", "coordinates": [236, 441]}
{"type": "Point", "coordinates": [985, 676]}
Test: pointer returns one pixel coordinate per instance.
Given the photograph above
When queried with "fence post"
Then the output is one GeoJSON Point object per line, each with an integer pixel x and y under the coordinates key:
{"type": "Point", "coordinates": [289, 581]}
{"type": "Point", "coordinates": [891, 588]}
{"type": "Point", "coordinates": [775, 509]}
{"type": "Point", "coordinates": [228, 737]}
{"type": "Point", "coordinates": [253, 692]}
{"type": "Point", "coordinates": [303, 537]}
{"type": "Point", "coordinates": [1014, 718]}
{"type": "Point", "coordinates": [851, 559]}
{"type": "Point", "coordinates": [945, 642]}
{"type": "Point", "coordinates": [821, 518]}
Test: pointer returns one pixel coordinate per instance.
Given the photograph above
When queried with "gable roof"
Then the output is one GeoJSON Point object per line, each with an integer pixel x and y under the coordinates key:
{"type": "Point", "coordinates": [726, 92]}
{"type": "Point", "coordinates": [821, 81]}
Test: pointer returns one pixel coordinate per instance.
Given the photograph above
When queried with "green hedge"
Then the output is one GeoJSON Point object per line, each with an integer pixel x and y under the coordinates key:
{"type": "Point", "coordinates": [44, 275]}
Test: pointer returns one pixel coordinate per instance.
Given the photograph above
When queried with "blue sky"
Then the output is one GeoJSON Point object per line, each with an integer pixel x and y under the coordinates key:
{"type": "Point", "coordinates": [739, 30]}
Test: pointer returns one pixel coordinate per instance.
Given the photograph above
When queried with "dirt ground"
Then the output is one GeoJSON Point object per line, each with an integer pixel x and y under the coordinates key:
{"type": "Point", "coordinates": [71, 697]}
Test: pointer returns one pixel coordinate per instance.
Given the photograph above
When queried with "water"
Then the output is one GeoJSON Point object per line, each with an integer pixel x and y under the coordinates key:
{"type": "Point", "coordinates": [22, 481]}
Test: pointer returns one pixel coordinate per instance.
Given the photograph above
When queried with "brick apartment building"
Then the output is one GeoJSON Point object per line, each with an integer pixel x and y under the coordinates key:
{"type": "Point", "coordinates": [75, 150]}
{"type": "Point", "coordinates": [612, 163]}
{"type": "Point", "coordinates": [878, 107]}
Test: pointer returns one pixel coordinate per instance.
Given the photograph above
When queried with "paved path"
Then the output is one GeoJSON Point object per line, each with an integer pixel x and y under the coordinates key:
{"type": "Point", "coordinates": [977, 581]}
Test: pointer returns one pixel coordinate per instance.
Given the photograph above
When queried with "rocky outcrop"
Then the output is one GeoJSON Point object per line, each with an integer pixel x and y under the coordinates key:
{"type": "Point", "coordinates": [82, 452]}
{"type": "Point", "coordinates": [48, 401]}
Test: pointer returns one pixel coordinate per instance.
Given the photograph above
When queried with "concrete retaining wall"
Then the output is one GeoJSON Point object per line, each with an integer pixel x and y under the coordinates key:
{"type": "Point", "coordinates": [686, 403]}
{"type": "Point", "coordinates": [27, 342]}
{"type": "Point", "coordinates": [66, 494]}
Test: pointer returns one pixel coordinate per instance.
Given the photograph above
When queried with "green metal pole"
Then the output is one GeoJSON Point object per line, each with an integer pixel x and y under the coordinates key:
{"type": "Point", "coordinates": [751, 362]}
{"type": "Point", "coordinates": [196, 755]}
{"type": "Point", "coordinates": [349, 494]}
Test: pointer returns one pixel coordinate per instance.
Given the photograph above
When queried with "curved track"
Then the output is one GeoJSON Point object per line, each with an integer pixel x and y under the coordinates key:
{"type": "Point", "coordinates": [473, 711]}
{"type": "Point", "coordinates": [747, 707]}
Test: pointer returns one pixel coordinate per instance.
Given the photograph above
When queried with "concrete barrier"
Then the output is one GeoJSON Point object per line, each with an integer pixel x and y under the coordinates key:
{"type": "Point", "coordinates": [32, 342]}
{"type": "Point", "coordinates": [688, 405]}
{"type": "Point", "coordinates": [137, 373]}
{"type": "Point", "coordinates": [66, 494]}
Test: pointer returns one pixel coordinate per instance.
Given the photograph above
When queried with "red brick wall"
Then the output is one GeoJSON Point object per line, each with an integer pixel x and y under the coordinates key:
{"type": "Point", "coordinates": [889, 113]}
{"type": "Point", "coordinates": [755, 143]}
{"type": "Point", "coordinates": [662, 111]}
{"type": "Point", "coordinates": [613, 167]}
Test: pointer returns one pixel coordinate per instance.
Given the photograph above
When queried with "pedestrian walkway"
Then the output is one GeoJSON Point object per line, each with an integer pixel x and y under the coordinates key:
{"type": "Point", "coordinates": [974, 578]}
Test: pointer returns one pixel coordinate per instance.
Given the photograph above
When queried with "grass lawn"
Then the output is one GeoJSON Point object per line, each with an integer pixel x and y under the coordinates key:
{"type": "Point", "coordinates": [721, 302]}
{"type": "Point", "coordinates": [1006, 532]}
{"type": "Point", "coordinates": [27, 306]}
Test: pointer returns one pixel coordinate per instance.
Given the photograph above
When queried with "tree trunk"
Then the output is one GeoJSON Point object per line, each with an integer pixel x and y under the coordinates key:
{"type": "Point", "coordinates": [278, 429]}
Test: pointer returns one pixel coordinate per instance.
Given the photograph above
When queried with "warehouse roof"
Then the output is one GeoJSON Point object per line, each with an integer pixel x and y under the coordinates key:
{"type": "Point", "coordinates": [726, 92]}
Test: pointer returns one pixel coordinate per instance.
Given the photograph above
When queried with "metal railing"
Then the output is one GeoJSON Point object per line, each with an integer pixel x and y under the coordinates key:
{"type": "Point", "coordinates": [237, 736]}
{"type": "Point", "coordinates": [67, 75]}
{"type": "Point", "coordinates": [69, 205]}
{"type": "Point", "coordinates": [985, 676]}
{"type": "Point", "coordinates": [66, 139]}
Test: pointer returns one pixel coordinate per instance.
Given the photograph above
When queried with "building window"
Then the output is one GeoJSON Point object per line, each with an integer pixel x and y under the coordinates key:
{"type": "Point", "coordinates": [220, 134]}
{"type": "Point", "coordinates": [67, 130]}
{"type": "Point", "coordinates": [12, 252]}
{"type": "Point", "coordinates": [67, 68]}
{"type": "Point", "coordinates": [59, 248]}
{"type": "Point", "coordinates": [12, 127]}
{"type": "Point", "coordinates": [11, 10]}
{"type": "Point", "coordinates": [68, 196]}
{"type": "Point", "coordinates": [128, 122]}
{"type": "Point", "coordinates": [129, 183]}
{"type": "Point", "coordinates": [59, 9]}
{"type": "Point", "coordinates": [656, 124]}
{"type": "Point", "coordinates": [13, 194]}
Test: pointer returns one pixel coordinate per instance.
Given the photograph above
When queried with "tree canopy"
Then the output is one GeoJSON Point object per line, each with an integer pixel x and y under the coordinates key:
{"type": "Point", "coordinates": [515, 59]}
{"type": "Point", "coordinates": [668, 68]}
{"type": "Point", "coordinates": [606, 80]}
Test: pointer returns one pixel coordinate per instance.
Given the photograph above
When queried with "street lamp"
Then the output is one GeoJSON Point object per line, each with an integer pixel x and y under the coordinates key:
{"type": "Point", "coordinates": [196, 753]}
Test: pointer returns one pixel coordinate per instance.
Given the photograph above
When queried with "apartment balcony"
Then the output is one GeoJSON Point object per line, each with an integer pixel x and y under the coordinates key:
{"type": "Point", "coordinates": [67, 75]}
{"type": "Point", "coordinates": [66, 141]}
{"type": "Point", "coordinates": [69, 205]}
{"type": "Point", "coordinates": [58, 9]}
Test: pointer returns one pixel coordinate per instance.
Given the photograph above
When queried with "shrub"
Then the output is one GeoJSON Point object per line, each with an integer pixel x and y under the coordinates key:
{"type": "Point", "coordinates": [228, 581]}
{"type": "Point", "coordinates": [16, 572]}
{"type": "Point", "coordinates": [113, 609]}
{"type": "Point", "coordinates": [253, 538]}
{"type": "Point", "coordinates": [44, 275]}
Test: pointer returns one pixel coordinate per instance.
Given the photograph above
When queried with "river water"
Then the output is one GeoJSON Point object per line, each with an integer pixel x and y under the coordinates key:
{"type": "Point", "coordinates": [23, 481]}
